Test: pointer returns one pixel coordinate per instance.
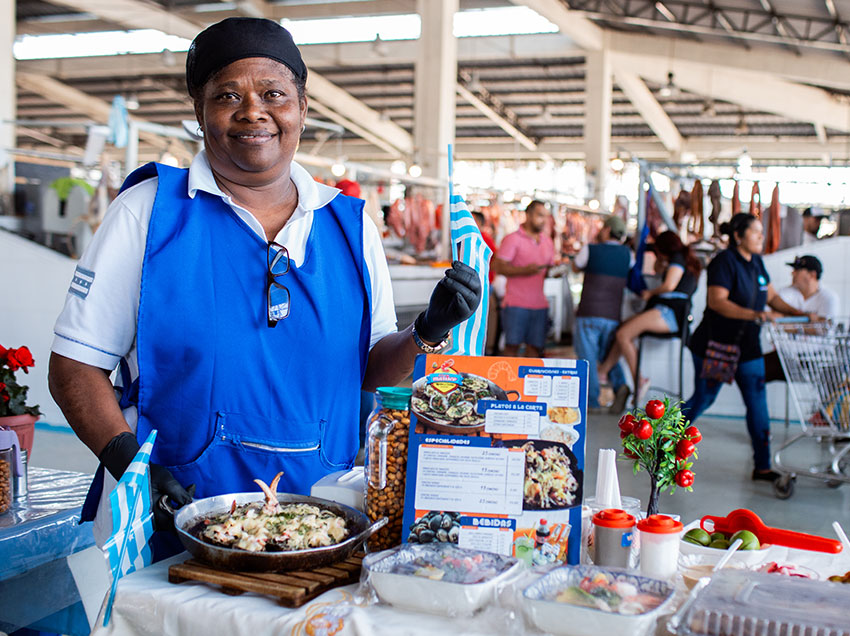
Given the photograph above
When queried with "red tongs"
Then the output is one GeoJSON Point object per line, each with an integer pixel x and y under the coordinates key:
{"type": "Point", "coordinates": [744, 519]}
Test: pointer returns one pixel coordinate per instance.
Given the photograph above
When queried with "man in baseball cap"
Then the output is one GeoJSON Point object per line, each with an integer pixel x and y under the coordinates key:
{"type": "Point", "coordinates": [805, 291]}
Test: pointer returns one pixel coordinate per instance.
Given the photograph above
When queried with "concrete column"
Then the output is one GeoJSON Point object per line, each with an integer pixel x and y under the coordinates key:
{"type": "Point", "coordinates": [434, 97]}
{"type": "Point", "coordinates": [7, 100]}
{"type": "Point", "coordinates": [597, 121]}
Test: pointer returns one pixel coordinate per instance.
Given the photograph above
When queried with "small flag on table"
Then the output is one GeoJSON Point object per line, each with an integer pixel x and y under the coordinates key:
{"type": "Point", "coordinates": [127, 550]}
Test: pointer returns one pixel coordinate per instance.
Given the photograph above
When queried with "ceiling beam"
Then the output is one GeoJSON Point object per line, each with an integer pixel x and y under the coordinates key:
{"type": "Point", "coordinates": [811, 67]}
{"type": "Point", "coordinates": [346, 123]}
{"type": "Point", "coordinates": [653, 114]}
{"type": "Point", "coordinates": [496, 118]}
{"type": "Point", "coordinates": [135, 14]}
{"type": "Point", "coordinates": [746, 88]}
{"type": "Point", "coordinates": [571, 23]}
{"type": "Point", "coordinates": [793, 149]}
{"type": "Point", "coordinates": [355, 111]}
{"type": "Point", "coordinates": [79, 102]}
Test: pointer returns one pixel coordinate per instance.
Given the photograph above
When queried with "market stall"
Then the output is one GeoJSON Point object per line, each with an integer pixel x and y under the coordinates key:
{"type": "Point", "coordinates": [479, 470]}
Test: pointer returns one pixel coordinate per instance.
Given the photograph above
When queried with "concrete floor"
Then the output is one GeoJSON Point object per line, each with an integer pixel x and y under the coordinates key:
{"type": "Point", "coordinates": [722, 483]}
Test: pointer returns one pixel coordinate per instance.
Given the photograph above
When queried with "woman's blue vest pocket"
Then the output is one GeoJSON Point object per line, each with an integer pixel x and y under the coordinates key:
{"type": "Point", "coordinates": [237, 452]}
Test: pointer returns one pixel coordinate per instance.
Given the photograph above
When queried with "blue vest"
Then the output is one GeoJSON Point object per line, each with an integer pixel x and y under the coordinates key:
{"type": "Point", "coordinates": [604, 281]}
{"type": "Point", "coordinates": [233, 399]}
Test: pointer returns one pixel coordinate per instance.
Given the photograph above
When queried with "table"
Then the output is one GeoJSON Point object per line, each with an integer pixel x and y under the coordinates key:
{"type": "Point", "coordinates": [147, 605]}
{"type": "Point", "coordinates": [36, 536]}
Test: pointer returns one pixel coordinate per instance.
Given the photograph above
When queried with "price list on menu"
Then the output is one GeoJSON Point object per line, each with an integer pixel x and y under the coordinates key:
{"type": "Point", "coordinates": [473, 479]}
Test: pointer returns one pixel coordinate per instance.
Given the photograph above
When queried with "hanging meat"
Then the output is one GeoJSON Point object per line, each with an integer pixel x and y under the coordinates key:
{"type": "Point", "coordinates": [682, 209]}
{"type": "Point", "coordinates": [653, 215]}
{"type": "Point", "coordinates": [697, 223]}
{"type": "Point", "coordinates": [774, 224]}
{"type": "Point", "coordinates": [736, 200]}
{"type": "Point", "coordinates": [755, 201]}
{"type": "Point", "coordinates": [418, 221]}
{"type": "Point", "coordinates": [395, 217]}
{"type": "Point", "coordinates": [714, 196]}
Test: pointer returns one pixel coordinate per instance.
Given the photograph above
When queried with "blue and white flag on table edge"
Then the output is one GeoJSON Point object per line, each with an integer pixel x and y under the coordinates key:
{"type": "Point", "coordinates": [127, 549]}
{"type": "Point", "coordinates": [468, 246]}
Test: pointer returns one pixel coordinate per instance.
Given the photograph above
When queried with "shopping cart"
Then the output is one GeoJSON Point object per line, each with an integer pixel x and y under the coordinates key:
{"type": "Point", "coordinates": [816, 360]}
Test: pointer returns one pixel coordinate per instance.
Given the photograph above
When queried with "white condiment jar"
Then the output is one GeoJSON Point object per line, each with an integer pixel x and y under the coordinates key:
{"type": "Point", "coordinates": [659, 545]}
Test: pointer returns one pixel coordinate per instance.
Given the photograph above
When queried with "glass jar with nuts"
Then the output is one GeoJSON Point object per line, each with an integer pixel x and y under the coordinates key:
{"type": "Point", "coordinates": [6, 457]}
{"type": "Point", "coordinates": [387, 432]}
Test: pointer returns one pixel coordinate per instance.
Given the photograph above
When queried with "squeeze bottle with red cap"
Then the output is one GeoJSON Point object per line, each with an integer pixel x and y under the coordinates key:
{"type": "Point", "coordinates": [659, 545]}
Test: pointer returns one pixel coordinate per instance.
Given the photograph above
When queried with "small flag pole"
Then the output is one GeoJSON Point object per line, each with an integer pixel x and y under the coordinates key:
{"type": "Point", "coordinates": [451, 197]}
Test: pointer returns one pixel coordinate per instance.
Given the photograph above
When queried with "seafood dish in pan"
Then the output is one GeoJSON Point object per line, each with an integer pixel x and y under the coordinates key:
{"type": "Point", "coordinates": [272, 527]}
{"type": "Point", "coordinates": [455, 408]}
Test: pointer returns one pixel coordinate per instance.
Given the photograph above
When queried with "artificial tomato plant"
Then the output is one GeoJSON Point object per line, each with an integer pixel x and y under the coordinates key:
{"type": "Point", "coordinates": [659, 440]}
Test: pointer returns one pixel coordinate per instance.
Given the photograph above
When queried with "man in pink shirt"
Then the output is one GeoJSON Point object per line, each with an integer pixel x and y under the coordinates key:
{"type": "Point", "coordinates": [523, 258]}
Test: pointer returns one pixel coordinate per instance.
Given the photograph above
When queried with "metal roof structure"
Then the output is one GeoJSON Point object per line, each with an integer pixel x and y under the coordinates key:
{"type": "Point", "coordinates": [698, 78]}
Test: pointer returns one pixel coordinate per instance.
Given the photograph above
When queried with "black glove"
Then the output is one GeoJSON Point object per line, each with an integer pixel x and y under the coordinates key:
{"type": "Point", "coordinates": [454, 299]}
{"type": "Point", "coordinates": [118, 454]}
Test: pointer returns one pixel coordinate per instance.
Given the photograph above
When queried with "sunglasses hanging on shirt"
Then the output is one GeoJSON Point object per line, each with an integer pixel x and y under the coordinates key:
{"type": "Point", "coordinates": [277, 294]}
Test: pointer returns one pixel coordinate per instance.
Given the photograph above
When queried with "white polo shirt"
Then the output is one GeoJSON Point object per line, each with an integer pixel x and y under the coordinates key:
{"type": "Point", "coordinates": [98, 323]}
{"type": "Point", "coordinates": [824, 302]}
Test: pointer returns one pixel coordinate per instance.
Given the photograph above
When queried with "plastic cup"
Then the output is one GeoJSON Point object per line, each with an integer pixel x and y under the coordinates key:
{"type": "Point", "coordinates": [524, 549]}
{"type": "Point", "coordinates": [659, 545]}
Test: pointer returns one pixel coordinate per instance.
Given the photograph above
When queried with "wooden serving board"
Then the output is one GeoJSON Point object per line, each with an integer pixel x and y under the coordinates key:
{"type": "Point", "coordinates": [292, 589]}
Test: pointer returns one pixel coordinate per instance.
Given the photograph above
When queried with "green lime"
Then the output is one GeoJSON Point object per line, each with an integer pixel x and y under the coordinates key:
{"type": "Point", "coordinates": [718, 535]}
{"type": "Point", "coordinates": [697, 536]}
{"type": "Point", "coordinates": [750, 541]}
{"type": "Point", "coordinates": [720, 544]}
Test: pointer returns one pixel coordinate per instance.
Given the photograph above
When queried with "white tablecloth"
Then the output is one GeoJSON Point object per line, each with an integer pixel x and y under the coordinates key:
{"type": "Point", "coordinates": [146, 604]}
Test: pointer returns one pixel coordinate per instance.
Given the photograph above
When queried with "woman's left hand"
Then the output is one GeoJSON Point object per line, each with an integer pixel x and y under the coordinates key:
{"type": "Point", "coordinates": [646, 294]}
{"type": "Point", "coordinates": [454, 299]}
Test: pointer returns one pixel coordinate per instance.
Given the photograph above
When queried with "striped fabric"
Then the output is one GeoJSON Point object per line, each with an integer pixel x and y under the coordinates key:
{"type": "Point", "coordinates": [127, 550]}
{"type": "Point", "coordinates": [468, 247]}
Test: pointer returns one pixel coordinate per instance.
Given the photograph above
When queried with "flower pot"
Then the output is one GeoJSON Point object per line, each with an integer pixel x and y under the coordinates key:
{"type": "Point", "coordinates": [24, 426]}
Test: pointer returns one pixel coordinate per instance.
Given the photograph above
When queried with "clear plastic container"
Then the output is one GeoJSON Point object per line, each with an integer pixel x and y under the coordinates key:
{"type": "Point", "coordinates": [553, 604]}
{"type": "Point", "coordinates": [6, 471]}
{"type": "Point", "coordinates": [437, 578]}
{"type": "Point", "coordinates": [659, 545]}
{"type": "Point", "coordinates": [741, 603]}
{"type": "Point", "coordinates": [387, 432]}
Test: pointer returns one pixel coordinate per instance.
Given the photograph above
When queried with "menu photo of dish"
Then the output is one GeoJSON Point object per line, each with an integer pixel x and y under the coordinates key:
{"type": "Point", "coordinates": [496, 453]}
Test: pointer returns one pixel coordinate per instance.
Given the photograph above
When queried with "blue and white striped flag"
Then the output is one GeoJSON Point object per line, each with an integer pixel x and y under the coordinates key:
{"type": "Point", "coordinates": [468, 246]}
{"type": "Point", "coordinates": [127, 550]}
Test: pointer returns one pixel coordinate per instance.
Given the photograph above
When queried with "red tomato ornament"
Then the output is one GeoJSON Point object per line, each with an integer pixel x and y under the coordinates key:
{"type": "Point", "coordinates": [643, 430]}
{"type": "Point", "coordinates": [629, 454]}
{"type": "Point", "coordinates": [692, 433]}
{"type": "Point", "coordinates": [627, 423]}
{"type": "Point", "coordinates": [624, 434]}
{"type": "Point", "coordinates": [655, 409]}
{"type": "Point", "coordinates": [685, 448]}
{"type": "Point", "coordinates": [685, 478]}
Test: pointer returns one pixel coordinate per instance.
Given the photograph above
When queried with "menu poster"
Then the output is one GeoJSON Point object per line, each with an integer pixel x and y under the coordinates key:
{"type": "Point", "coordinates": [496, 455]}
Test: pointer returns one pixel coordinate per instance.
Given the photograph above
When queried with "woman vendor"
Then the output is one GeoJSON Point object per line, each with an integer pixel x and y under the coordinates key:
{"type": "Point", "coordinates": [244, 303]}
